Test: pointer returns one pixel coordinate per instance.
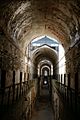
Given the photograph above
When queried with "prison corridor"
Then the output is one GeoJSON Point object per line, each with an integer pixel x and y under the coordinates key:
{"type": "Point", "coordinates": [43, 109]}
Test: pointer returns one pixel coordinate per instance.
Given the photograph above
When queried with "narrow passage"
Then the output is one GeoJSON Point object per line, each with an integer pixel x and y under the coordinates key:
{"type": "Point", "coordinates": [43, 109]}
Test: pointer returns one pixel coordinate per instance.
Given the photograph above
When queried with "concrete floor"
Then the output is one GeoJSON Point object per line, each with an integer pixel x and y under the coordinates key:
{"type": "Point", "coordinates": [43, 109]}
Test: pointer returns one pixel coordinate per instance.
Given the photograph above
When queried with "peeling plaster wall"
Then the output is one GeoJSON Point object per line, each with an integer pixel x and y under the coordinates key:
{"type": "Point", "coordinates": [27, 19]}
{"type": "Point", "coordinates": [11, 59]}
{"type": "Point", "coordinates": [21, 21]}
{"type": "Point", "coordinates": [73, 64]}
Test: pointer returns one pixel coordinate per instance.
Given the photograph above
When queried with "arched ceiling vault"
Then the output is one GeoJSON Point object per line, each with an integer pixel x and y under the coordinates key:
{"type": "Point", "coordinates": [45, 68]}
{"type": "Point", "coordinates": [45, 63]}
{"type": "Point", "coordinates": [44, 53]}
{"type": "Point", "coordinates": [23, 20]}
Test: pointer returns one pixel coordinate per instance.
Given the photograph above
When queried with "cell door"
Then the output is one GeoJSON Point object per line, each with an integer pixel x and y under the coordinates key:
{"type": "Point", "coordinates": [13, 78]}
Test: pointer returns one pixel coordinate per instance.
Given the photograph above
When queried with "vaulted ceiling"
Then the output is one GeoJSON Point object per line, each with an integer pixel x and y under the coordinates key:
{"type": "Point", "coordinates": [44, 53]}
{"type": "Point", "coordinates": [24, 20]}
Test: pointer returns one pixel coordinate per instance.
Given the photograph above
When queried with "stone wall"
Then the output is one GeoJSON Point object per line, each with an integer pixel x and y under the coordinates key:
{"type": "Point", "coordinates": [73, 64]}
{"type": "Point", "coordinates": [19, 94]}
{"type": "Point", "coordinates": [12, 59]}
